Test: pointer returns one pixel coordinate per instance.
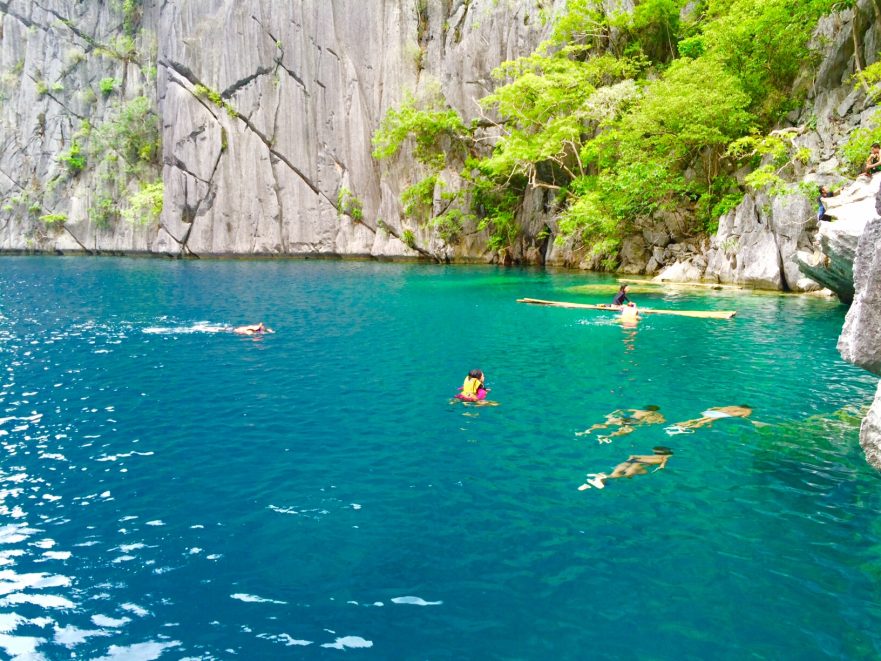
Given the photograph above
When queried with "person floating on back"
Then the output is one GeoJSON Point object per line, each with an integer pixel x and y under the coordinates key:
{"type": "Point", "coordinates": [473, 389]}
{"type": "Point", "coordinates": [873, 163]}
{"type": "Point", "coordinates": [621, 296]}
{"type": "Point", "coordinates": [253, 329]}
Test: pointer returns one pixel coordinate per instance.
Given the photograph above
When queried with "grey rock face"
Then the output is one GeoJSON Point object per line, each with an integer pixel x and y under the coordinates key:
{"type": "Point", "coordinates": [755, 246]}
{"type": "Point", "coordinates": [65, 74]}
{"type": "Point", "coordinates": [870, 432]}
{"type": "Point", "coordinates": [634, 255]}
{"type": "Point", "coordinates": [267, 110]}
{"type": "Point", "coordinates": [860, 341]}
{"type": "Point", "coordinates": [832, 263]}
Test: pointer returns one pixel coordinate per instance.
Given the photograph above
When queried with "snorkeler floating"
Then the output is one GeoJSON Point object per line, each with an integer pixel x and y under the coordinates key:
{"type": "Point", "coordinates": [636, 464]}
{"type": "Point", "coordinates": [626, 421]}
{"type": "Point", "coordinates": [708, 418]}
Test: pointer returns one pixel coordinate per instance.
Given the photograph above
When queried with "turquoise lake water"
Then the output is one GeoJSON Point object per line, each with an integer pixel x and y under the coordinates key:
{"type": "Point", "coordinates": [171, 490]}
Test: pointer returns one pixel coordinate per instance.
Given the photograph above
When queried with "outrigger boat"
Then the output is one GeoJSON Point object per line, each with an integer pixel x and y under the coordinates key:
{"type": "Point", "coordinates": [701, 314]}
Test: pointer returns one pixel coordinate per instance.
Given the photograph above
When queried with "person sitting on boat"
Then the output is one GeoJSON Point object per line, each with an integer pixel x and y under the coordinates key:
{"type": "Point", "coordinates": [629, 312]}
{"type": "Point", "coordinates": [473, 389]}
{"type": "Point", "coordinates": [621, 296]}
{"type": "Point", "coordinates": [635, 465]}
{"type": "Point", "coordinates": [253, 329]}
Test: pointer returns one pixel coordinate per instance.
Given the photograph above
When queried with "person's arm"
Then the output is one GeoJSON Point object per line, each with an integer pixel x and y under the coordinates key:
{"type": "Point", "coordinates": [662, 463]}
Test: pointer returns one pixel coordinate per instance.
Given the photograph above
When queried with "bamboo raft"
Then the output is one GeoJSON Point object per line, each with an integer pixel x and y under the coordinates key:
{"type": "Point", "coordinates": [701, 314]}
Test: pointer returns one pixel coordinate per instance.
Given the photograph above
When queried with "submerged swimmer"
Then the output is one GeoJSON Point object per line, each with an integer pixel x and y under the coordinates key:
{"type": "Point", "coordinates": [636, 464]}
{"type": "Point", "coordinates": [253, 329]}
{"type": "Point", "coordinates": [626, 421]}
{"type": "Point", "coordinates": [708, 417]}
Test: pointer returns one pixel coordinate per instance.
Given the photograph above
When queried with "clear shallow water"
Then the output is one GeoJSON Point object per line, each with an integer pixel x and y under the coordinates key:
{"type": "Point", "coordinates": [170, 490]}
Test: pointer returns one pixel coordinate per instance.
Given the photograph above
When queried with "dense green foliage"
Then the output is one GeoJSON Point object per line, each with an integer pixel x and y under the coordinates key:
{"type": "Point", "coordinates": [73, 158]}
{"type": "Point", "coordinates": [145, 205]}
{"type": "Point", "coordinates": [622, 116]}
{"type": "Point", "coordinates": [349, 205]}
{"type": "Point", "coordinates": [857, 146]}
{"type": "Point", "coordinates": [427, 127]}
{"type": "Point", "coordinates": [124, 152]}
{"type": "Point", "coordinates": [107, 86]}
{"type": "Point", "coordinates": [133, 134]}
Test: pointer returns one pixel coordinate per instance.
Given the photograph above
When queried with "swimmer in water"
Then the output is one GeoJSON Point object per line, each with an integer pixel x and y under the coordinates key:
{"type": "Point", "coordinates": [253, 329]}
{"type": "Point", "coordinates": [626, 421]}
{"type": "Point", "coordinates": [630, 313]}
{"type": "Point", "coordinates": [636, 464]}
{"type": "Point", "coordinates": [708, 417]}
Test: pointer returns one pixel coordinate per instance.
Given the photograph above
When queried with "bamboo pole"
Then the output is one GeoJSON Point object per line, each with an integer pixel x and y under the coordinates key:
{"type": "Point", "coordinates": [700, 314]}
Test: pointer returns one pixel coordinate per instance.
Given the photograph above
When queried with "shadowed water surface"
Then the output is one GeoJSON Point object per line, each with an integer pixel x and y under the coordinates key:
{"type": "Point", "coordinates": [172, 490]}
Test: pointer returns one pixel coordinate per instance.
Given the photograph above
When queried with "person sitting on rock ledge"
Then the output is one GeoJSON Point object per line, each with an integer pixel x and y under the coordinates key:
{"type": "Point", "coordinates": [873, 163]}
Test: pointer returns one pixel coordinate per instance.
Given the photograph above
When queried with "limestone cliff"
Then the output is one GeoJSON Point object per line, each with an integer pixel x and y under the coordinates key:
{"type": "Point", "coordinates": [266, 111]}
{"type": "Point", "coordinates": [251, 124]}
{"type": "Point", "coordinates": [860, 341]}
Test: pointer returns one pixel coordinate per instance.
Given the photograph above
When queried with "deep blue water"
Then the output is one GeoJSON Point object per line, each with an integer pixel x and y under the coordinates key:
{"type": "Point", "coordinates": [171, 490]}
